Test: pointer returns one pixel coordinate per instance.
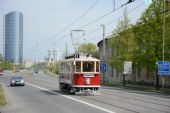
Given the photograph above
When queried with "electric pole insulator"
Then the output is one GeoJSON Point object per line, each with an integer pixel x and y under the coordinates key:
{"type": "Point", "coordinates": [130, 1]}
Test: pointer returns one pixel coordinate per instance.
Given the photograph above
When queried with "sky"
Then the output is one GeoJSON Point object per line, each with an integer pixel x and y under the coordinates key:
{"type": "Point", "coordinates": [48, 24]}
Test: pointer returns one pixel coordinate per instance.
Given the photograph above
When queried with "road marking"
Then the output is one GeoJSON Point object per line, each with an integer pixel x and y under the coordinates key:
{"type": "Point", "coordinates": [86, 103]}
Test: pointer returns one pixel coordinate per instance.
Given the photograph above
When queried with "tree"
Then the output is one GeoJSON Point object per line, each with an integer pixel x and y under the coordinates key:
{"type": "Point", "coordinates": [121, 44]}
{"type": "Point", "coordinates": [0, 56]}
{"type": "Point", "coordinates": [52, 68]}
{"type": "Point", "coordinates": [6, 65]}
{"type": "Point", "coordinates": [148, 35]}
{"type": "Point", "coordinates": [89, 48]}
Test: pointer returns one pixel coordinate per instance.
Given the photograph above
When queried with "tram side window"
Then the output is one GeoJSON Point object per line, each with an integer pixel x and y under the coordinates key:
{"type": "Point", "coordinates": [88, 66]}
{"type": "Point", "coordinates": [78, 66]}
{"type": "Point", "coordinates": [62, 67]}
{"type": "Point", "coordinates": [97, 67]}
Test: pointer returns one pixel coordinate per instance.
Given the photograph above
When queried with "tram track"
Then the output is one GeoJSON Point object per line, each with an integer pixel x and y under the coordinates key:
{"type": "Point", "coordinates": [134, 104]}
{"type": "Point", "coordinates": [168, 103]}
{"type": "Point", "coordinates": [110, 104]}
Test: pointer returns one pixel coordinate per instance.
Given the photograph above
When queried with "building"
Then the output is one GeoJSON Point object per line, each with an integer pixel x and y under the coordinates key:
{"type": "Point", "coordinates": [113, 75]}
{"type": "Point", "coordinates": [13, 37]}
{"type": "Point", "coordinates": [28, 63]}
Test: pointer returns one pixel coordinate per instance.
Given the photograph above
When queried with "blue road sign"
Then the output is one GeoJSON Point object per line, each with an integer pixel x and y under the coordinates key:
{"type": "Point", "coordinates": [103, 67]}
{"type": "Point", "coordinates": [163, 68]}
{"type": "Point", "coordinates": [162, 63]}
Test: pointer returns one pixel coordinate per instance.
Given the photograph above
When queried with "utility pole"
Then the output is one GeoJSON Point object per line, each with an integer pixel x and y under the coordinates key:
{"type": "Point", "coordinates": [66, 48]}
{"type": "Point", "coordinates": [104, 52]}
{"type": "Point", "coordinates": [4, 36]}
{"type": "Point", "coordinates": [104, 46]}
{"type": "Point", "coordinates": [113, 5]}
{"type": "Point", "coordinates": [163, 44]}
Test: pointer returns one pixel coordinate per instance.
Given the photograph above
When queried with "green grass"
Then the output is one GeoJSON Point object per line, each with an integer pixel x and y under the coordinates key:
{"type": "Point", "coordinates": [2, 97]}
{"type": "Point", "coordinates": [138, 88]}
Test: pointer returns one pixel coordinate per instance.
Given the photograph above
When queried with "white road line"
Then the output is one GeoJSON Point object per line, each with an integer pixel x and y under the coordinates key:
{"type": "Point", "coordinates": [94, 106]}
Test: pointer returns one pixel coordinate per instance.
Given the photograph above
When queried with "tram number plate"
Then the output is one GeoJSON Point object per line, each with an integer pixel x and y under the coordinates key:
{"type": "Point", "coordinates": [88, 75]}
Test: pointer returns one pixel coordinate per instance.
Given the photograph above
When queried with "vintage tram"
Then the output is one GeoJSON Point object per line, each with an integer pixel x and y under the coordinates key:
{"type": "Point", "coordinates": [79, 73]}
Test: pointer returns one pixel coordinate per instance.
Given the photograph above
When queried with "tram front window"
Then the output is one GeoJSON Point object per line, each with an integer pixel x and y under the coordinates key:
{"type": "Point", "coordinates": [78, 66]}
{"type": "Point", "coordinates": [97, 66]}
{"type": "Point", "coordinates": [88, 66]}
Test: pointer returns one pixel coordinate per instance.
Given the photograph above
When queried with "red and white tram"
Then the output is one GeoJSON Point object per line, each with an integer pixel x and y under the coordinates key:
{"type": "Point", "coordinates": [80, 73]}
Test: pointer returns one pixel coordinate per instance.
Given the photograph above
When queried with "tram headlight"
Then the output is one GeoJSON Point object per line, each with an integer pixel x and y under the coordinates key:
{"type": "Point", "coordinates": [87, 81]}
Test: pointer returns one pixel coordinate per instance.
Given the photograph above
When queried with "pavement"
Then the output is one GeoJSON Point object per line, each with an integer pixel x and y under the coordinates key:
{"type": "Point", "coordinates": [41, 94]}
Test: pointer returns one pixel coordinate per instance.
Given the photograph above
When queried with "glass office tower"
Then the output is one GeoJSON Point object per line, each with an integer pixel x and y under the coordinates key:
{"type": "Point", "coordinates": [13, 37]}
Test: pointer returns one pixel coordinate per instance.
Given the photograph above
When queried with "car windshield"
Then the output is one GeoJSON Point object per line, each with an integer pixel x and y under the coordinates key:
{"type": "Point", "coordinates": [17, 77]}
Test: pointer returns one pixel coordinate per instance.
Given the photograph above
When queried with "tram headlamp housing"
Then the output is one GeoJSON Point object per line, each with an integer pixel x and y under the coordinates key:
{"type": "Point", "coordinates": [87, 81]}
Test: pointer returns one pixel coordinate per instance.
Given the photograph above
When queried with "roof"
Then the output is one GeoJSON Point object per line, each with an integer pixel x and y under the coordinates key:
{"type": "Point", "coordinates": [101, 42]}
{"type": "Point", "coordinates": [107, 38]}
{"type": "Point", "coordinates": [82, 58]}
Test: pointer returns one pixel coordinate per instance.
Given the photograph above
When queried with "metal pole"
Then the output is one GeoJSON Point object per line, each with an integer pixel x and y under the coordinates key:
{"type": "Point", "coordinates": [4, 37]}
{"type": "Point", "coordinates": [163, 42]}
{"type": "Point", "coordinates": [103, 40]}
{"type": "Point", "coordinates": [74, 44]}
{"type": "Point", "coordinates": [113, 5]}
{"type": "Point", "coordinates": [163, 35]}
{"type": "Point", "coordinates": [66, 48]}
{"type": "Point", "coordinates": [123, 79]}
{"type": "Point", "coordinates": [104, 53]}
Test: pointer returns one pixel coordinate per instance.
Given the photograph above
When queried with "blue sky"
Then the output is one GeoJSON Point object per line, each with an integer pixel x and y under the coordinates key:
{"type": "Point", "coordinates": [43, 19]}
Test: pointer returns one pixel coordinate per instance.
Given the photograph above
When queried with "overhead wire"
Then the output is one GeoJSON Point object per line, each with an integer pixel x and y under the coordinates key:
{"type": "Point", "coordinates": [107, 14]}
{"type": "Point", "coordinates": [75, 21]}
{"type": "Point", "coordinates": [109, 23]}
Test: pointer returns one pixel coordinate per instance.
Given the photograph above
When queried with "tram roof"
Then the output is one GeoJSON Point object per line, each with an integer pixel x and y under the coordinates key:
{"type": "Point", "coordinates": [82, 58]}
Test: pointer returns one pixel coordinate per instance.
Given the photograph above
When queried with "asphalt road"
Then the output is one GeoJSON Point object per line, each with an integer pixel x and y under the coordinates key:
{"type": "Point", "coordinates": [41, 95]}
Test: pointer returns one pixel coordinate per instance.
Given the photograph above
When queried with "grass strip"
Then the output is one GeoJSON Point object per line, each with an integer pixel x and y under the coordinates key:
{"type": "Point", "coordinates": [138, 87]}
{"type": "Point", "coordinates": [3, 101]}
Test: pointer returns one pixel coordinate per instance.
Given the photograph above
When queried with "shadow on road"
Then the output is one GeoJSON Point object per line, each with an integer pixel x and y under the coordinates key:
{"type": "Point", "coordinates": [54, 92]}
{"type": "Point", "coordinates": [49, 92]}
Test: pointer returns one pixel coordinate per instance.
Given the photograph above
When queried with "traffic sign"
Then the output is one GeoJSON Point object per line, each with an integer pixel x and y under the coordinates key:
{"type": "Point", "coordinates": [162, 63]}
{"type": "Point", "coordinates": [163, 68]}
{"type": "Point", "coordinates": [127, 67]}
{"type": "Point", "coordinates": [103, 67]}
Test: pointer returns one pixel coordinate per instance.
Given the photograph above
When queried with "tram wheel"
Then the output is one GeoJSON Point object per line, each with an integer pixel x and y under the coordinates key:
{"type": "Point", "coordinates": [61, 87]}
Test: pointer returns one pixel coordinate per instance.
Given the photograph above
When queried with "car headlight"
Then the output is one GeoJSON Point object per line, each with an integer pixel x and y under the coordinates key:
{"type": "Point", "coordinates": [22, 81]}
{"type": "Point", "coordinates": [12, 81]}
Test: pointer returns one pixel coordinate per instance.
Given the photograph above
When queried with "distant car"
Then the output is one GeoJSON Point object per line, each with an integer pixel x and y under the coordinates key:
{"type": "Point", "coordinates": [1, 74]}
{"type": "Point", "coordinates": [17, 81]}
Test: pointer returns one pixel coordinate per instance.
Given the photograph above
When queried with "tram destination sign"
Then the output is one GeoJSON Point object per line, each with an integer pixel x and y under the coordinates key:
{"type": "Point", "coordinates": [88, 75]}
{"type": "Point", "coordinates": [163, 68]}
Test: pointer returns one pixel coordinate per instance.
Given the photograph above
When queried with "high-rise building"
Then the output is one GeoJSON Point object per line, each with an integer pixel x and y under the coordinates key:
{"type": "Point", "coordinates": [13, 37]}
